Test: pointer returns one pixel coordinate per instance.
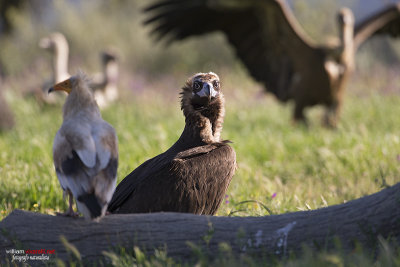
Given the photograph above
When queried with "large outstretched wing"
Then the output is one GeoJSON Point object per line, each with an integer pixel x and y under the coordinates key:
{"type": "Point", "coordinates": [387, 21]}
{"type": "Point", "coordinates": [163, 183]}
{"type": "Point", "coordinates": [265, 34]}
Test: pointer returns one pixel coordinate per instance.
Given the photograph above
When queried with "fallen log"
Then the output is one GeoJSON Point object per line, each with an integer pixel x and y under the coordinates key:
{"type": "Point", "coordinates": [361, 220]}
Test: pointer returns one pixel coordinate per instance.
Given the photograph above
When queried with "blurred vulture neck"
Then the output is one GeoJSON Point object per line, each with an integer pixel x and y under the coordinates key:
{"type": "Point", "coordinates": [110, 70]}
{"type": "Point", "coordinates": [81, 102]}
{"type": "Point", "coordinates": [347, 43]}
{"type": "Point", "coordinates": [203, 125]}
{"type": "Point", "coordinates": [60, 61]}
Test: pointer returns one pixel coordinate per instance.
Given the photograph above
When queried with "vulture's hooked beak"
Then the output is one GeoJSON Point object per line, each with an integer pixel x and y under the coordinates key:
{"type": "Point", "coordinates": [207, 91]}
{"type": "Point", "coordinates": [62, 86]}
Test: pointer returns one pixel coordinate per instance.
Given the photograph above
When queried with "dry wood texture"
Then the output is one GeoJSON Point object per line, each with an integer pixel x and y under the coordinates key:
{"type": "Point", "coordinates": [362, 219]}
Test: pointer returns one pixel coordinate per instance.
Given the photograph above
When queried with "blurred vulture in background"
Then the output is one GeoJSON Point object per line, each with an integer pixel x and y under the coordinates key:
{"type": "Point", "coordinates": [104, 84]}
{"type": "Point", "coordinates": [57, 45]}
{"type": "Point", "coordinates": [6, 116]}
{"type": "Point", "coordinates": [274, 47]}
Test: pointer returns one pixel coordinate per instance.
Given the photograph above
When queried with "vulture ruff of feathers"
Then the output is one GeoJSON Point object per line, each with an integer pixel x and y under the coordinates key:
{"type": "Point", "coordinates": [273, 46]}
{"type": "Point", "coordinates": [193, 175]}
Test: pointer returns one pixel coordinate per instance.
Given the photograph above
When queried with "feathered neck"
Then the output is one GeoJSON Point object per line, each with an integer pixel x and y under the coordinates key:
{"type": "Point", "coordinates": [110, 72]}
{"type": "Point", "coordinates": [80, 98]}
{"type": "Point", "coordinates": [205, 122]}
{"type": "Point", "coordinates": [346, 28]}
{"type": "Point", "coordinates": [60, 59]}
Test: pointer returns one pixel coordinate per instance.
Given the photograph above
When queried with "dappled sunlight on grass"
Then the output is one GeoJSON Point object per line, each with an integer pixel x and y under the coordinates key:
{"type": "Point", "coordinates": [306, 168]}
{"type": "Point", "coordinates": [282, 167]}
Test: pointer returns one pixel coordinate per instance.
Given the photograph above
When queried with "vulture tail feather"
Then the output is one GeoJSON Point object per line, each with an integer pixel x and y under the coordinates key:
{"type": "Point", "coordinates": [92, 204]}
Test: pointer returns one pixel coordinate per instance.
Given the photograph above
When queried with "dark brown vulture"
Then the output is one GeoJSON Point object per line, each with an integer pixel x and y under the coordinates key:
{"type": "Point", "coordinates": [85, 150]}
{"type": "Point", "coordinates": [274, 47]}
{"type": "Point", "coordinates": [193, 175]}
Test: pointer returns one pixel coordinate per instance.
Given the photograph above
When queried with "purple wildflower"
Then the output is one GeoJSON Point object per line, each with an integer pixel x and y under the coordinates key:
{"type": "Point", "coordinates": [273, 195]}
{"type": "Point", "coordinates": [226, 199]}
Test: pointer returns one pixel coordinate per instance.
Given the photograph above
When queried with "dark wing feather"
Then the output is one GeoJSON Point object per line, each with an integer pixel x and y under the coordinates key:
{"type": "Point", "coordinates": [185, 183]}
{"type": "Point", "coordinates": [181, 18]}
{"type": "Point", "coordinates": [199, 150]}
{"type": "Point", "coordinates": [76, 177]}
{"type": "Point", "coordinates": [72, 165]}
{"type": "Point", "coordinates": [137, 176]}
{"type": "Point", "coordinates": [387, 21]}
{"type": "Point", "coordinates": [267, 38]}
{"type": "Point", "coordinates": [92, 204]}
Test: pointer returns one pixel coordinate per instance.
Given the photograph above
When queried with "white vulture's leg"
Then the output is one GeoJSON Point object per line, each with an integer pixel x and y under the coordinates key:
{"type": "Point", "coordinates": [70, 212]}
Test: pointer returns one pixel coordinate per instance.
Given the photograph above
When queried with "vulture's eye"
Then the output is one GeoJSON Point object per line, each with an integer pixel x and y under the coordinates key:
{"type": "Point", "coordinates": [216, 84]}
{"type": "Point", "coordinates": [197, 86]}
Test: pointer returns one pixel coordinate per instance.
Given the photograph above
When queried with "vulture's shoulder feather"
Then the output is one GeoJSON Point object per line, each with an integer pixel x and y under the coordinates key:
{"type": "Point", "coordinates": [106, 143]}
{"type": "Point", "coordinates": [146, 170]}
{"type": "Point", "coordinates": [95, 145]}
{"type": "Point", "coordinates": [78, 138]}
{"type": "Point", "coordinates": [206, 149]}
{"type": "Point", "coordinates": [81, 151]}
{"type": "Point", "coordinates": [161, 172]}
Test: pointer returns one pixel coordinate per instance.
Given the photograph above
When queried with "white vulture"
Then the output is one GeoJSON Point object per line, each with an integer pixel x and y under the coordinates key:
{"type": "Point", "coordinates": [85, 150]}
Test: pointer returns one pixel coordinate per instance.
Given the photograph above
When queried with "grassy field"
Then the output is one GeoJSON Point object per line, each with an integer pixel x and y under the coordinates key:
{"type": "Point", "coordinates": [281, 166]}
{"type": "Point", "coordinates": [284, 166]}
{"type": "Point", "coordinates": [304, 168]}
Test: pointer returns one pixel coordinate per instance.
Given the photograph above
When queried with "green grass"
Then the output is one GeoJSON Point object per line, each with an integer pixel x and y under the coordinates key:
{"type": "Point", "coordinates": [388, 256]}
{"type": "Point", "coordinates": [281, 166]}
{"type": "Point", "coordinates": [305, 168]}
